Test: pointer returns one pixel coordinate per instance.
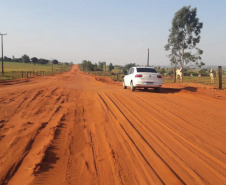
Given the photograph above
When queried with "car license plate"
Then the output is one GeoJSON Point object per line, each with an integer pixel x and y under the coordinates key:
{"type": "Point", "coordinates": [149, 82]}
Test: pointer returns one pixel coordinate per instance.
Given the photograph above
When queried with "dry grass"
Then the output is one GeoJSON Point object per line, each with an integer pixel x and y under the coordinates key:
{"type": "Point", "coordinates": [195, 79]}
{"type": "Point", "coordinates": [14, 70]}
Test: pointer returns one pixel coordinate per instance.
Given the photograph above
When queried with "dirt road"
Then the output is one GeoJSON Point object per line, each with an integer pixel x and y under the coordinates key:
{"type": "Point", "coordinates": [75, 129]}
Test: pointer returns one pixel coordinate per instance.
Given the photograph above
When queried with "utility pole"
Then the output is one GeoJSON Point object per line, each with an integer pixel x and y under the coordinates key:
{"type": "Point", "coordinates": [2, 52]}
{"type": "Point", "coordinates": [148, 59]}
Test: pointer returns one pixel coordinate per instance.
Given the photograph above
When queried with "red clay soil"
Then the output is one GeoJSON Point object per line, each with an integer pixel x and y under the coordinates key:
{"type": "Point", "coordinates": [75, 128]}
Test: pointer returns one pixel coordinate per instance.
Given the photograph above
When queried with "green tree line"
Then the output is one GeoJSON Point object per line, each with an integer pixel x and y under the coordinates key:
{"type": "Point", "coordinates": [87, 65]}
{"type": "Point", "coordinates": [27, 59]}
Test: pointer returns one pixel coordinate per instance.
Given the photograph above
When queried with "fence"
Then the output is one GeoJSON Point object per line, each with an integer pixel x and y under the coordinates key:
{"type": "Point", "coordinates": [28, 74]}
{"type": "Point", "coordinates": [115, 76]}
{"type": "Point", "coordinates": [219, 80]}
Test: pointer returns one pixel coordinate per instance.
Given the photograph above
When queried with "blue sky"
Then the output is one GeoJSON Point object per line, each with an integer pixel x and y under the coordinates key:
{"type": "Point", "coordinates": [117, 31]}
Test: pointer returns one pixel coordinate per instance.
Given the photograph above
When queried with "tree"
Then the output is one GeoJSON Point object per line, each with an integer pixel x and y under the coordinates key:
{"type": "Point", "coordinates": [128, 66]}
{"type": "Point", "coordinates": [5, 58]}
{"type": "Point", "coordinates": [34, 60]}
{"type": "Point", "coordinates": [162, 71]}
{"type": "Point", "coordinates": [17, 60]}
{"type": "Point", "coordinates": [84, 65]}
{"type": "Point", "coordinates": [95, 67]}
{"type": "Point", "coordinates": [124, 71]}
{"type": "Point", "coordinates": [55, 61]}
{"type": "Point", "coordinates": [184, 35]}
{"type": "Point", "coordinates": [25, 59]}
{"type": "Point", "coordinates": [90, 66]}
{"type": "Point", "coordinates": [110, 67]}
{"type": "Point", "coordinates": [87, 65]}
{"type": "Point", "coordinates": [101, 66]}
{"type": "Point", "coordinates": [204, 72]}
{"type": "Point", "coordinates": [42, 61]}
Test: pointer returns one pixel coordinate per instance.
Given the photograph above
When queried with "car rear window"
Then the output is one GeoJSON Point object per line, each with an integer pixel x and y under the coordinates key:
{"type": "Point", "coordinates": [149, 70]}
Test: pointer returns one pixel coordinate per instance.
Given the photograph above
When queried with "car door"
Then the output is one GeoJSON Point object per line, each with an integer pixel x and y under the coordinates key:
{"type": "Point", "coordinates": [126, 78]}
{"type": "Point", "coordinates": [130, 76]}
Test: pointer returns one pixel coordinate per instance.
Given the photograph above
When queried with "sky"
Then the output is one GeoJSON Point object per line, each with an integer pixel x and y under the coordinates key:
{"type": "Point", "coordinates": [116, 31]}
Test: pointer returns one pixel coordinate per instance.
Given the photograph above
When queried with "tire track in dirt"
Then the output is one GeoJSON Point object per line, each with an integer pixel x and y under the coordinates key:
{"type": "Point", "coordinates": [142, 174]}
{"type": "Point", "coordinates": [189, 136]}
{"type": "Point", "coordinates": [109, 109]}
{"type": "Point", "coordinates": [170, 116]}
{"type": "Point", "coordinates": [13, 169]}
{"type": "Point", "coordinates": [202, 151]}
{"type": "Point", "coordinates": [216, 164]}
{"type": "Point", "coordinates": [40, 146]}
{"type": "Point", "coordinates": [177, 119]}
{"type": "Point", "coordinates": [142, 154]}
{"type": "Point", "coordinates": [189, 145]}
{"type": "Point", "coordinates": [17, 128]}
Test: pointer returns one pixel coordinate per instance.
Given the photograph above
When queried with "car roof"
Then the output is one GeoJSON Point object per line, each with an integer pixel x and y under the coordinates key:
{"type": "Point", "coordinates": [144, 67]}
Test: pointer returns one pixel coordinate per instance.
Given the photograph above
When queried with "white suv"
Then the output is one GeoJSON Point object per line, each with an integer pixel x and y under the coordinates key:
{"type": "Point", "coordinates": [142, 77]}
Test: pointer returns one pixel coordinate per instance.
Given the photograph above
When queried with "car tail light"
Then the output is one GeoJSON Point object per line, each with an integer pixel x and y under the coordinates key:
{"type": "Point", "coordinates": [138, 75]}
{"type": "Point", "coordinates": [159, 76]}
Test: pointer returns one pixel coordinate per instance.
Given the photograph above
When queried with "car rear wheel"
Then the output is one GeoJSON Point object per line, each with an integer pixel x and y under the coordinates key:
{"type": "Point", "coordinates": [131, 86]}
{"type": "Point", "coordinates": [123, 84]}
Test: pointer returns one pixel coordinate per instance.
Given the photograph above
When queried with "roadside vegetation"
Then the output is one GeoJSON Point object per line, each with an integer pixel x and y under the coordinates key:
{"type": "Point", "coordinates": [191, 75]}
{"type": "Point", "coordinates": [25, 67]}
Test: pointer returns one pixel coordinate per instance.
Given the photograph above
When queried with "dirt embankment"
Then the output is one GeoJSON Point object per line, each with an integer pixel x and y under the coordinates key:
{"type": "Point", "coordinates": [74, 128]}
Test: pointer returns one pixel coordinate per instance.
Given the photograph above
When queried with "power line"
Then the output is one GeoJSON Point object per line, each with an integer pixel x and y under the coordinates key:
{"type": "Point", "coordinates": [2, 52]}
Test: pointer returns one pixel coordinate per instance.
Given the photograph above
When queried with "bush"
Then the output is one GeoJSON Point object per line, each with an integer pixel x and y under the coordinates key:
{"type": "Point", "coordinates": [170, 73]}
{"type": "Point", "coordinates": [204, 72]}
{"type": "Point", "coordinates": [162, 71]}
{"type": "Point", "coordinates": [124, 71]}
{"type": "Point", "coordinates": [188, 73]}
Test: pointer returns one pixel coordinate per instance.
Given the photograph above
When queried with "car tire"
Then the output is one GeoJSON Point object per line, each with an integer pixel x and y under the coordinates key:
{"type": "Point", "coordinates": [132, 87]}
{"type": "Point", "coordinates": [124, 86]}
{"type": "Point", "coordinates": [157, 89]}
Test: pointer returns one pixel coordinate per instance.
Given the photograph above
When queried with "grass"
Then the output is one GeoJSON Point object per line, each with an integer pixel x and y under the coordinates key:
{"type": "Point", "coordinates": [13, 70]}
{"type": "Point", "coordinates": [203, 80]}
{"type": "Point", "coordinates": [112, 74]}
{"type": "Point", "coordinates": [169, 79]}
{"type": "Point", "coordinates": [16, 66]}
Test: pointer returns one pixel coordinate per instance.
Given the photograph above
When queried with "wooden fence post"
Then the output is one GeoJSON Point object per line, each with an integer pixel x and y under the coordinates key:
{"type": "Point", "coordinates": [117, 76]}
{"type": "Point", "coordinates": [220, 76]}
{"type": "Point", "coordinates": [22, 74]}
{"type": "Point", "coordinates": [27, 74]}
